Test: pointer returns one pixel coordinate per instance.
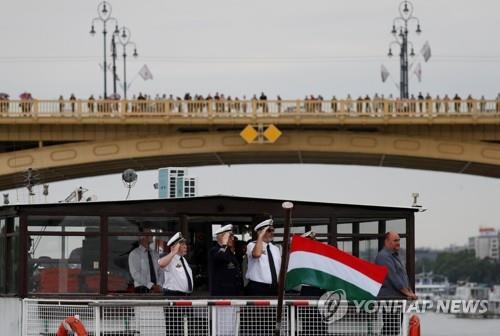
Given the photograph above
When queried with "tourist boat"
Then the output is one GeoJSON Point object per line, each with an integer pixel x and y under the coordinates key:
{"type": "Point", "coordinates": [66, 259]}
{"type": "Point", "coordinates": [430, 286]}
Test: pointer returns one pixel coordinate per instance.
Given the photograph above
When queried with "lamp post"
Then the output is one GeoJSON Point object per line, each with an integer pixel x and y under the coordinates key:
{"type": "Point", "coordinates": [113, 54]}
{"type": "Point", "coordinates": [104, 16]}
{"type": "Point", "coordinates": [400, 32]}
{"type": "Point", "coordinates": [124, 39]}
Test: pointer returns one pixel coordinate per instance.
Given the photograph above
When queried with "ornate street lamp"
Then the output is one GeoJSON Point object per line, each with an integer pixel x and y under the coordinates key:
{"type": "Point", "coordinates": [104, 16]}
{"type": "Point", "coordinates": [400, 32]}
{"type": "Point", "coordinates": [124, 39]}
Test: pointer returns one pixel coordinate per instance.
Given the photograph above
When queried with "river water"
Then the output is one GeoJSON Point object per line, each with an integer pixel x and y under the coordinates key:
{"type": "Point", "coordinates": [447, 325]}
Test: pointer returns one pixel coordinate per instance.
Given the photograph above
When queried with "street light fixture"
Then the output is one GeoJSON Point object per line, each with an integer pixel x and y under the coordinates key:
{"type": "Point", "coordinates": [124, 39]}
{"type": "Point", "coordinates": [104, 16]}
{"type": "Point", "coordinates": [401, 40]}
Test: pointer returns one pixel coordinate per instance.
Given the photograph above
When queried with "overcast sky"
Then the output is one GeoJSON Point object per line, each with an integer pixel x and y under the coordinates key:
{"type": "Point", "coordinates": [286, 47]}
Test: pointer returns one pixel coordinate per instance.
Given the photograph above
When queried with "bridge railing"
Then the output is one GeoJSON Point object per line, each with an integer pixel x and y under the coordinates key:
{"type": "Point", "coordinates": [374, 108]}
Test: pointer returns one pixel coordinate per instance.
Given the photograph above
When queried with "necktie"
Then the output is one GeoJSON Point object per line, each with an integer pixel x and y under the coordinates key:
{"type": "Point", "coordinates": [190, 283]}
{"type": "Point", "coordinates": [274, 278]}
{"type": "Point", "coordinates": [152, 272]}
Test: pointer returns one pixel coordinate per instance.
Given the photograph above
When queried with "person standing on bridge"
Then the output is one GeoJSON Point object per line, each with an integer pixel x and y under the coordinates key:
{"type": "Point", "coordinates": [72, 99]}
{"type": "Point", "coordinates": [61, 104]}
{"type": "Point", "coordinates": [458, 103]}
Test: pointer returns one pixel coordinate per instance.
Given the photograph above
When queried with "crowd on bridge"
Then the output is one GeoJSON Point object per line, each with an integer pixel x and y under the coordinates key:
{"type": "Point", "coordinates": [221, 103]}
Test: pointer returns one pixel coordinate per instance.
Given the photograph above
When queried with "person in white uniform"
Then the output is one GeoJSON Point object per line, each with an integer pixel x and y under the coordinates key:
{"type": "Point", "coordinates": [264, 262]}
{"type": "Point", "coordinates": [178, 276]}
{"type": "Point", "coordinates": [178, 281]}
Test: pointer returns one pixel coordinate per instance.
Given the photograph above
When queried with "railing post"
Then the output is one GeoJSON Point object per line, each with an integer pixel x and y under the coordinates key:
{"type": "Point", "coordinates": [210, 110]}
{"type": "Point", "coordinates": [213, 312]}
{"type": "Point", "coordinates": [97, 317]}
{"type": "Point", "coordinates": [123, 108]}
{"type": "Point", "coordinates": [297, 107]}
{"type": "Point", "coordinates": [292, 320]}
{"type": "Point", "coordinates": [79, 109]}
{"type": "Point", "coordinates": [24, 319]}
{"type": "Point", "coordinates": [36, 108]}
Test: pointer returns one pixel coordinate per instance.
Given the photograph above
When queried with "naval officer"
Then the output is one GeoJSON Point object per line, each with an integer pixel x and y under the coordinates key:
{"type": "Point", "coordinates": [178, 276]}
{"type": "Point", "coordinates": [264, 262]}
{"type": "Point", "coordinates": [225, 276]}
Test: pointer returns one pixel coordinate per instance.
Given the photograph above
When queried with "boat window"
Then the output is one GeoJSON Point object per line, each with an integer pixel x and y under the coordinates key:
{"type": "Point", "coordinates": [139, 224]}
{"type": "Point", "coordinates": [368, 227]}
{"type": "Point", "coordinates": [396, 225]}
{"type": "Point", "coordinates": [368, 249]}
{"type": "Point", "coordinates": [345, 245]}
{"type": "Point", "coordinates": [344, 228]}
{"type": "Point", "coordinates": [119, 279]}
{"type": "Point", "coordinates": [63, 223]}
{"type": "Point", "coordinates": [67, 264]}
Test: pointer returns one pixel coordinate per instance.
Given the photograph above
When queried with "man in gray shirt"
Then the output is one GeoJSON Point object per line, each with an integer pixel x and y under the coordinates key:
{"type": "Point", "coordinates": [396, 284]}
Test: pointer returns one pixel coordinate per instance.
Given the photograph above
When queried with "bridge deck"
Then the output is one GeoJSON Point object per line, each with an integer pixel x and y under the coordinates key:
{"type": "Point", "coordinates": [305, 112]}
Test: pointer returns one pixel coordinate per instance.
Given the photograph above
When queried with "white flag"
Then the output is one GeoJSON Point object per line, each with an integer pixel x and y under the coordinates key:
{"type": "Point", "coordinates": [418, 71]}
{"type": "Point", "coordinates": [145, 73]}
{"type": "Point", "coordinates": [426, 51]}
{"type": "Point", "coordinates": [384, 73]}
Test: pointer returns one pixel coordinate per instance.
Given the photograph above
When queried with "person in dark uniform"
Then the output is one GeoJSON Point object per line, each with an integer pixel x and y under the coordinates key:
{"type": "Point", "coordinates": [225, 269]}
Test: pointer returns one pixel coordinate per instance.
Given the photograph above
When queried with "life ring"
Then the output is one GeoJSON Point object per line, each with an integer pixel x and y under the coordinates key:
{"type": "Point", "coordinates": [414, 326]}
{"type": "Point", "coordinates": [71, 323]}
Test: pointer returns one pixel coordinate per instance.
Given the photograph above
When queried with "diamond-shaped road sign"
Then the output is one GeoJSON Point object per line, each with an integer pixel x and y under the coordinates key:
{"type": "Point", "coordinates": [252, 135]}
{"type": "Point", "coordinates": [272, 133]}
{"type": "Point", "coordinates": [249, 134]}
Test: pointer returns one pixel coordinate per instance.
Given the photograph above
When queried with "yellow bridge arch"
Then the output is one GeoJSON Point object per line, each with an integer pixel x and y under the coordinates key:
{"type": "Point", "coordinates": [81, 159]}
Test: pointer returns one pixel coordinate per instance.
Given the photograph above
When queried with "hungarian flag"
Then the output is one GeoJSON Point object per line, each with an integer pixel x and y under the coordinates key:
{"type": "Point", "coordinates": [326, 267]}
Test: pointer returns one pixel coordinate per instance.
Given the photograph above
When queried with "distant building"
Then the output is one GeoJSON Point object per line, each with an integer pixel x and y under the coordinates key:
{"type": "Point", "coordinates": [175, 183]}
{"type": "Point", "coordinates": [486, 245]}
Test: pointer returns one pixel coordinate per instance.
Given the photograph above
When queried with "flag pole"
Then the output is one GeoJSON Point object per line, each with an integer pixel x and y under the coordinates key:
{"type": "Point", "coordinates": [288, 206]}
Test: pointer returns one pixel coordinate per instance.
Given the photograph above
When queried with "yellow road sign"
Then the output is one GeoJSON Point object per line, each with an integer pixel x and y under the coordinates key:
{"type": "Point", "coordinates": [259, 134]}
{"type": "Point", "coordinates": [272, 133]}
{"type": "Point", "coordinates": [249, 134]}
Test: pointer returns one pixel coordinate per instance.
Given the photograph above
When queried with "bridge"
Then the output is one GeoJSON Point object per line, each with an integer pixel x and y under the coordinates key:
{"type": "Point", "coordinates": [69, 139]}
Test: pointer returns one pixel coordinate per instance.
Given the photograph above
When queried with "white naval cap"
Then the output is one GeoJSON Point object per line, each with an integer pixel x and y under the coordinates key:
{"type": "Point", "coordinates": [175, 239]}
{"type": "Point", "coordinates": [308, 234]}
{"type": "Point", "coordinates": [266, 223]}
{"type": "Point", "coordinates": [224, 229]}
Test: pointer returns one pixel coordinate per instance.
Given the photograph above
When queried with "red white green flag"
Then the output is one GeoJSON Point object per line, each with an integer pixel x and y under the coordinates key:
{"type": "Point", "coordinates": [326, 267]}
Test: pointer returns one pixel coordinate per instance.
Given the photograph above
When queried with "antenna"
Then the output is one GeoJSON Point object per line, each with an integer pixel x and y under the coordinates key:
{"type": "Point", "coordinates": [415, 204]}
{"type": "Point", "coordinates": [129, 178]}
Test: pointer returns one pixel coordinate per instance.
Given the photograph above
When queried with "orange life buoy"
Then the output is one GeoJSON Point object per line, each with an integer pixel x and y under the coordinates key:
{"type": "Point", "coordinates": [414, 326]}
{"type": "Point", "coordinates": [71, 323]}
